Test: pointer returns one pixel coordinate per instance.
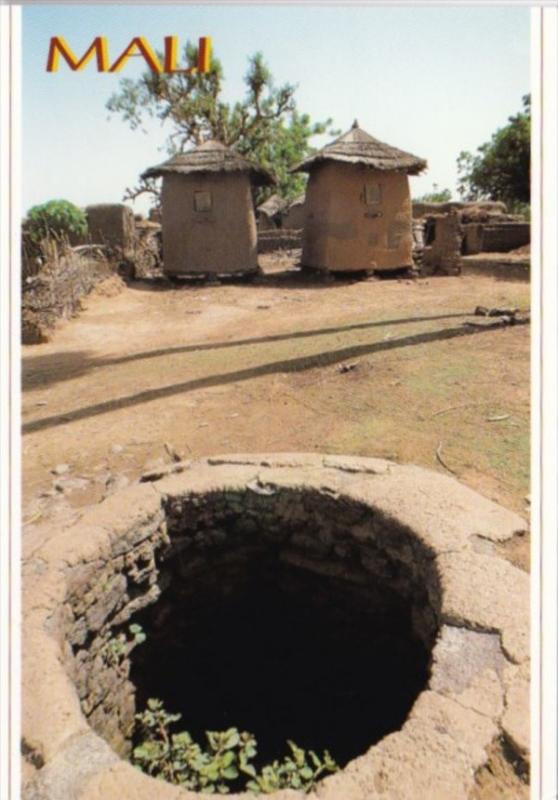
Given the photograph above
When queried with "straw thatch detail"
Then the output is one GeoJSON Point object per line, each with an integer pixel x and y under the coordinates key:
{"type": "Point", "coordinates": [272, 206]}
{"type": "Point", "coordinates": [358, 147]}
{"type": "Point", "coordinates": [211, 156]}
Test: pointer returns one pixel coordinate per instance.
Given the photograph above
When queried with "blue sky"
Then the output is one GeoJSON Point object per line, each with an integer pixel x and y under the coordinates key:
{"type": "Point", "coordinates": [430, 80]}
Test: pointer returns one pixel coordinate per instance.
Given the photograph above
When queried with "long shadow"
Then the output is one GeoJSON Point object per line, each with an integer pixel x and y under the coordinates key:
{"type": "Point", "coordinates": [78, 363]}
{"type": "Point", "coordinates": [324, 359]}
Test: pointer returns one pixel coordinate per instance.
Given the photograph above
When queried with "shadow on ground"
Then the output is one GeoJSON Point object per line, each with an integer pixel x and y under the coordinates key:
{"type": "Point", "coordinates": [324, 359]}
{"type": "Point", "coordinates": [44, 370]}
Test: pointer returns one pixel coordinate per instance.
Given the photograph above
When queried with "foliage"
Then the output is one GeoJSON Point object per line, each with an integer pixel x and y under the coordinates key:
{"type": "Point", "coordinates": [58, 218]}
{"type": "Point", "coordinates": [265, 125]}
{"type": "Point", "coordinates": [177, 758]}
{"type": "Point", "coordinates": [500, 170]}
{"type": "Point", "coordinates": [300, 770]}
{"type": "Point", "coordinates": [119, 646]}
{"type": "Point", "coordinates": [437, 195]}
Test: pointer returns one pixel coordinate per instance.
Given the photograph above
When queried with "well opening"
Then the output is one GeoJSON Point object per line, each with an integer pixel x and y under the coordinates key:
{"type": "Point", "coordinates": [289, 613]}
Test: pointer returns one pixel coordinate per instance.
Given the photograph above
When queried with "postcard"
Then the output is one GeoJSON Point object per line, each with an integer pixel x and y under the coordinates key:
{"type": "Point", "coordinates": [280, 386]}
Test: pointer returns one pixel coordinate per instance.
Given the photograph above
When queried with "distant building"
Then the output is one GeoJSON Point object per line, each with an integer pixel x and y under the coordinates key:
{"type": "Point", "coordinates": [294, 215]}
{"type": "Point", "coordinates": [207, 211]}
{"type": "Point", "coordinates": [269, 213]}
{"type": "Point", "coordinates": [113, 225]}
{"type": "Point", "coordinates": [358, 205]}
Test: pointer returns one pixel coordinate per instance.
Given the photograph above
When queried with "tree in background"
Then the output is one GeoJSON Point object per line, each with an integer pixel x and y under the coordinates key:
{"type": "Point", "coordinates": [437, 195]}
{"type": "Point", "coordinates": [57, 218]}
{"type": "Point", "coordinates": [500, 170]}
{"type": "Point", "coordinates": [265, 126]}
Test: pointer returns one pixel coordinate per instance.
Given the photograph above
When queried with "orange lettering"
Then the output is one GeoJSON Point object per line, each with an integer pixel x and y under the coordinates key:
{"type": "Point", "coordinates": [171, 52]}
{"type": "Point", "coordinates": [140, 43]}
{"type": "Point", "coordinates": [59, 46]}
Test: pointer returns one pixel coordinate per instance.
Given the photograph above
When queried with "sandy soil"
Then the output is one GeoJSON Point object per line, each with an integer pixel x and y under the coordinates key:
{"type": "Point", "coordinates": [376, 368]}
{"type": "Point", "coordinates": [252, 367]}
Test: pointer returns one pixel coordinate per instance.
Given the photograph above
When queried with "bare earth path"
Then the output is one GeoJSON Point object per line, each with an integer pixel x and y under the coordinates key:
{"type": "Point", "coordinates": [234, 368]}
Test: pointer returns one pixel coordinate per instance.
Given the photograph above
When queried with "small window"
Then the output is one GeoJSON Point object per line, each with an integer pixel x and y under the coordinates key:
{"type": "Point", "coordinates": [202, 201]}
{"type": "Point", "coordinates": [372, 193]}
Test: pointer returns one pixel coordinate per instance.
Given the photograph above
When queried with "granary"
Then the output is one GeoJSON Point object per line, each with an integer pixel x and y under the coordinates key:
{"type": "Point", "coordinates": [208, 220]}
{"type": "Point", "coordinates": [358, 205]}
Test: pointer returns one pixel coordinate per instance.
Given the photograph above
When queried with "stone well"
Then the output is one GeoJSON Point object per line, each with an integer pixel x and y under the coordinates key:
{"type": "Point", "coordinates": [398, 544]}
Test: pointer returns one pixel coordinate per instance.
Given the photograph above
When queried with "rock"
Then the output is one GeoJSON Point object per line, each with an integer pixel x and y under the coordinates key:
{"type": "Point", "coordinates": [348, 367]}
{"type": "Point", "coordinates": [162, 472]}
{"type": "Point", "coordinates": [174, 455]}
{"type": "Point", "coordinates": [60, 469]}
{"type": "Point", "coordinates": [117, 448]}
{"type": "Point", "coordinates": [115, 482]}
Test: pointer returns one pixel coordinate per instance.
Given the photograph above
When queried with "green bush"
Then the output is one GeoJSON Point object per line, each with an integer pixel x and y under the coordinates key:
{"type": "Point", "coordinates": [58, 218]}
{"type": "Point", "coordinates": [177, 758]}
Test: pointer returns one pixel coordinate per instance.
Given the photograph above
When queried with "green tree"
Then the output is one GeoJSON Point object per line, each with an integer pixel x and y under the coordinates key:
{"type": "Point", "coordinates": [437, 195]}
{"type": "Point", "coordinates": [265, 125]}
{"type": "Point", "coordinates": [500, 169]}
{"type": "Point", "coordinates": [58, 218]}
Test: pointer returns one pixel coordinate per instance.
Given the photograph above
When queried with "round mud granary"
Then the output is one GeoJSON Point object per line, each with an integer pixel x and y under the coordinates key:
{"type": "Point", "coordinates": [348, 604]}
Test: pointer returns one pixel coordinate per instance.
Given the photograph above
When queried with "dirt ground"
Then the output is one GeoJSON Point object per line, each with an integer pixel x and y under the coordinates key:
{"type": "Point", "coordinates": [376, 368]}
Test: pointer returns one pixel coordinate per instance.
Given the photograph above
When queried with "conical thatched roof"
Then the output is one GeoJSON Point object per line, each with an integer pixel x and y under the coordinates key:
{"type": "Point", "coordinates": [273, 205]}
{"type": "Point", "coordinates": [211, 156]}
{"type": "Point", "coordinates": [358, 147]}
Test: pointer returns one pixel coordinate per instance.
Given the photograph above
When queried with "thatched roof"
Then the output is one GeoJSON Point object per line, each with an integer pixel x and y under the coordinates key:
{"type": "Point", "coordinates": [358, 147]}
{"type": "Point", "coordinates": [211, 156]}
{"type": "Point", "coordinates": [273, 205]}
{"type": "Point", "coordinates": [299, 200]}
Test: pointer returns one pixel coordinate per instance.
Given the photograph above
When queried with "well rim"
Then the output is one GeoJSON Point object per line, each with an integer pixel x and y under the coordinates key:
{"type": "Point", "coordinates": [459, 526]}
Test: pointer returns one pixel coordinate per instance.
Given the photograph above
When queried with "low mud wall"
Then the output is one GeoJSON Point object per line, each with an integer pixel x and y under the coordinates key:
{"type": "Point", "coordinates": [55, 293]}
{"type": "Point", "coordinates": [280, 239]}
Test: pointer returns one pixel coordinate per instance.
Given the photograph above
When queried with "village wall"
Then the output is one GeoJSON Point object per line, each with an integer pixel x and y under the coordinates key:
{"type": "Point", "coordinates": [444, 255]}
{"type": "Point", "coordinates": [344, 233]}
{"type": "Point", "coordinates": [279, 239]}
{"type": "Point", "coordinates": [55, 292]}
{"type": "Point", "coordinates": [220, 240]}
{"type": "Point", "coordinates": [112, 224]}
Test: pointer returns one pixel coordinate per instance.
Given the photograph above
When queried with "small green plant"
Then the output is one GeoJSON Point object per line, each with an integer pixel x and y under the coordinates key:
{"type": "Point", "coordinates": [58, 218]}
{"type": "Point", "coordinates": [300, 770]}
{"type": "Point", "coordinates": [177, 758]}
{"type": "Point", "coordinates": [117, 647]}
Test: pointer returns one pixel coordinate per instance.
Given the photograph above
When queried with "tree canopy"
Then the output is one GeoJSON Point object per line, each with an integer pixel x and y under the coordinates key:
{"type": "Point", "coordinates": [437, 195]}
{"type": "Point", "coordinates": [265, 125]}
{"type": "Point", "coordinates": [500, 169]}
{"type": "Point", "coordinates": [56, 218]}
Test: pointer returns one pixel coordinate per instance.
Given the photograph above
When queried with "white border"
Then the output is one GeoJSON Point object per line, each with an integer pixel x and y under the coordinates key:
{"type": "Point", "coordinates": [10, 398]}
{"type": "Point", "coordinates": [544, 393]}
{"type": "Point", "coordinates": [544, 708]}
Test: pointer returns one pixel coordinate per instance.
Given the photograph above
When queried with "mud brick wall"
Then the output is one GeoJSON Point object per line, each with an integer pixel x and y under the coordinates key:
{"type": "Point", "coordinates": [55, 292]}
{"type": "Point", "coordinates": [444, 255]}
{"type": "Point", "coordinates": [112, 224]}
{"type": "Point", "coordinates": [505, 236]}
{"type": "Point", "coordinates": [280, 239]}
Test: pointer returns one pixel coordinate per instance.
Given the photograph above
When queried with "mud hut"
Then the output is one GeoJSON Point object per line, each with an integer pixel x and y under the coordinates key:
{"type": "Point", "coordinates": [358, 205]}
{"type": "Point", "coordinates": [208, 220]}
{"type": "Point", "coordinates": [293, 217]}
{"type": "Point", "coordinates": [269, 213]}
